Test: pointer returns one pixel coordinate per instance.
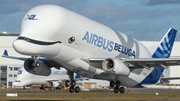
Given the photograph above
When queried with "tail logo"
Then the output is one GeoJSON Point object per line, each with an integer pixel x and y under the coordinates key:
{"type": "Point", "coordinates": [164, 50]}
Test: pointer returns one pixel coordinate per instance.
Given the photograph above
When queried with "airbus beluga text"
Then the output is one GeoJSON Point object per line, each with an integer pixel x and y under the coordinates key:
{"type": "Point", "coordinates": [89, 48]}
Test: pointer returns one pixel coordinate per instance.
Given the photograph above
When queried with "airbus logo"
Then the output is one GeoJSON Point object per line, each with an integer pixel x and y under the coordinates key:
{"type": "Point", "coordinates": [31, 17]}
{"type": "Point", "coordinates": [107, 44]}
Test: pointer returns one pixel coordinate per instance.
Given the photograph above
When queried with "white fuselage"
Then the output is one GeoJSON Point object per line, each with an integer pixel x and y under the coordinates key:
{"type": "Point", "coordinates": [54, 24]}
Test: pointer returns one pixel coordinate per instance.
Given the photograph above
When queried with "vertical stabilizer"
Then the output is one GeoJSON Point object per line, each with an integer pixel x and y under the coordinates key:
{"type": "Point", "coordinates": [166, 44]}
{"type": "Point", "coordinates": [163, 51]}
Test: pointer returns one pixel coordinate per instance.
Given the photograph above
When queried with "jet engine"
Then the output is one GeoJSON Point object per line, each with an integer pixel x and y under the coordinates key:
{"type": "Point", "coordinates": [54, 84]}
{"type": "Point", "coordinates": [115, 66]}
{"type": "Point", "coordinates": [40, 69]}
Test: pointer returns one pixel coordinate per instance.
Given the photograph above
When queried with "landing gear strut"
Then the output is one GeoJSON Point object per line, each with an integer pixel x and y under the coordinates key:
{"type": "Point", "coordinates": [117, 87]}
{"type": "Point", "coordinates": [72, 83]}
{"type": "Point", "coordinates": [35, 62]}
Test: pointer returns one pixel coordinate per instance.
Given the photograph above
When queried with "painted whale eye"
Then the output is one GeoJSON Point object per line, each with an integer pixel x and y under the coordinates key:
{"type": "Point", "coordinates": [71, 39]}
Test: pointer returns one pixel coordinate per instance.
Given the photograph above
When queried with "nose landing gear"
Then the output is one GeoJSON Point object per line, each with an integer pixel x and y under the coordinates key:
{"type": "Point", "coordinates": [35, 62]}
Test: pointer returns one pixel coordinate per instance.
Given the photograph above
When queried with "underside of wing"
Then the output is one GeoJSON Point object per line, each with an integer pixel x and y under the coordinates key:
{"type": "Point", "coordinates": [142, 62]}
{"type": "Point", "coordinates": [151, 62]}
{"type": "Point", "coordinates": [170, 78]}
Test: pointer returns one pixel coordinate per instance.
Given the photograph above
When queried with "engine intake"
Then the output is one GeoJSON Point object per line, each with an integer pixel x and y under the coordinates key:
{"type": "Point", "coordinates": [42, 69]}
{"type": "Point", "coordinates": [115, 66]}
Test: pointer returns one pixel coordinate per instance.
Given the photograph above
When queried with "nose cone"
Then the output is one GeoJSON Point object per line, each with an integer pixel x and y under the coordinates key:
{"type": "Point", "coordinates": [17, 83]}
{"type": "Point", "coordinates": [28, 48]}
{"type": "Point", "coordinates": [18, 46]}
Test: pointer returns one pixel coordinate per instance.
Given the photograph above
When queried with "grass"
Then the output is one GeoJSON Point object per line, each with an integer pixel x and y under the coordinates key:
{"type": "Point", "coordinates": [87, 96]}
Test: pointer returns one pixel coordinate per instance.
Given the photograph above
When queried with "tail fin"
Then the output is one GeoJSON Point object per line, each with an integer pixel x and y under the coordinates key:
{"type": "Point", "coordinates": [166, 44]}
{"type": "Point", "coordinates": [163, 51]}
{"type": "Point", "coordinates": [5, 53]}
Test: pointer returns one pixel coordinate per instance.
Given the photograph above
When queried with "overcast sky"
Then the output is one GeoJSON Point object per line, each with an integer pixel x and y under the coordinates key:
{"type": "Point", "coordinates": [141, 19]}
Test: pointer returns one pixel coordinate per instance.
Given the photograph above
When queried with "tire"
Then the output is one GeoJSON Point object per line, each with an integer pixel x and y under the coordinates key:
{"type": "Point", "coordinates": [122, 90]}
{"type": "Point", "coordinates": [112, 83]}
{"type": "Point", "coordinates": [59, 87]}
{"type": "Point", "coordinates": [37, 64]}
{"type": "Point", "coordinates": [73, 83]}
{"type": "Point", "coordinates": [71, 89]}
{"type": "Point", "coordinates": [67, 83]}
{"type": "Point", "coordinates": [77, 89]}
{"type": "Point", "coordinates": [116, 90]}
{"type": "Point", "coordinates": [118, 83]}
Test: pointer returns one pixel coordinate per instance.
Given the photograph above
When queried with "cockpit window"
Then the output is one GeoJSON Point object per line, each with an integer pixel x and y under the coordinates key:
{"type": "Point", "coordinates": [27, 39]}
{"type": "Point", "coordinates": [37, 42]}
{"type": "Point", "coordinates": [20, 72]}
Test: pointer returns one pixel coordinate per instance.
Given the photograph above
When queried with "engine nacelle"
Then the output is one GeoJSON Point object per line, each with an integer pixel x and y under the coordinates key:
{"type": "Point", "coordinates": [115, 66]}
{"type": "Point", "coordinates": [42, 69]}
{"type": "Point", "coordinates": [54, 84]}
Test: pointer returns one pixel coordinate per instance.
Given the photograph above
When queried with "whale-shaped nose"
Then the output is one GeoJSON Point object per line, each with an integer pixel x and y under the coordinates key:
{"type": "Point", "coordinates": [18, 46]}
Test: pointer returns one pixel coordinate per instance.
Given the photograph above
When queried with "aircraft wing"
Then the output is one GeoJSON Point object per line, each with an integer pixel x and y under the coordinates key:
{"type": "Point", "coordinates": [12, 57]}
{"type": "Point", "coordinates": [166, 79]}
{"type": "Point", "coordinates": [143, 62]}
{"type": "Point", "coordinates": [170, 78]}
{"type": "Point", "coordinates": [151, 62]}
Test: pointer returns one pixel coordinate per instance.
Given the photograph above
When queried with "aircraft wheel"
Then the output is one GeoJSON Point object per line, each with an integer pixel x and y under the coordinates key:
{"type": "Point", "coordinates": [42, 87]}
{"type": "Point", "coordinates": [118, 83]}
{"type": "Point", "coordinates": [112, 83]}
{"type": "Point", "coordinates": [122, 90]}
{"type": "Point", "coordinates": [116, 90]}
{"type": "Point", "coordinates": [37, 64]}
{"type": "Point", "coordinates": [67, 83]}
{"type": "Point", "coordinates": [59, 87]}
{"type": "Point", "coordinates": [73, 83]}
{"type": "Point", "coordinates": [77, 89]}
{"type": "Point", "coordinates": [71, 89]}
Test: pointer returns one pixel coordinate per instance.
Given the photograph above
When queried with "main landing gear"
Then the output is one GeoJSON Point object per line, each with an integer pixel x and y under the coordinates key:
{"type": "Point", "coordinates": [72, 83]}
{"type": "Point", "coordinates": [116, 85]}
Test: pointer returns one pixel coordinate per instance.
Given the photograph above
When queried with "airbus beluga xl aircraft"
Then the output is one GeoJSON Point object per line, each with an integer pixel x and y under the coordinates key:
{"type": "Point", "coordinates": [88, 48]}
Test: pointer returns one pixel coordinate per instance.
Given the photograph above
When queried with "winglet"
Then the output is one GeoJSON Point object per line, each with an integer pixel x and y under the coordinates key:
{"type": "Point", "coordinates": [5, 53]}
{"type": "Point", "coordinates": [166, 45]}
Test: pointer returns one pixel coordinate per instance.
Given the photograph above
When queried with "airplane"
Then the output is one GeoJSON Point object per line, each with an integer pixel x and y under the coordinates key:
{"type": "Point", "coordinates": [54, 80]}
{"type": "Point", "coordinates": [88, 48]}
